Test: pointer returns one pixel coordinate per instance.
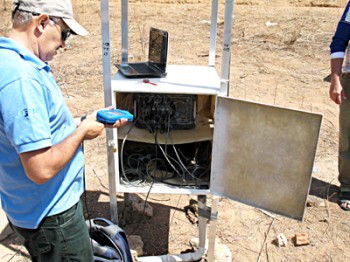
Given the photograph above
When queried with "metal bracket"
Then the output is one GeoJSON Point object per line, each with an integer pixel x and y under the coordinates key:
{"type": "Point", "coordinates": [206, 213]}
{"type": "Point", "coordinates": [111, 143]}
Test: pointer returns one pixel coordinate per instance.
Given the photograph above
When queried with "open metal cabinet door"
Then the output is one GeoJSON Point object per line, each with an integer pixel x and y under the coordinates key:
{"type": "Point", "coordinates": [263, 155]}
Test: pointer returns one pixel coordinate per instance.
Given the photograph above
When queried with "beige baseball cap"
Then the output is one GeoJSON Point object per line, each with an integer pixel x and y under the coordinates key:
{"type": "Point", "coordinates": [58, 8]}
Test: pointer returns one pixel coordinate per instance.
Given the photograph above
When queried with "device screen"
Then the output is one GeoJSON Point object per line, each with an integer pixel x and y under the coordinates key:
{"type": "Point", "coordinates": [158, 47]}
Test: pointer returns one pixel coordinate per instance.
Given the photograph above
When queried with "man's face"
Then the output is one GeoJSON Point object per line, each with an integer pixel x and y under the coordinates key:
{"type": "Point", "coordinates": [50, 41]}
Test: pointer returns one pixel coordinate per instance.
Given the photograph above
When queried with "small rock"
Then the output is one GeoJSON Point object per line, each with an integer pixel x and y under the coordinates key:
{"type": "Point", "coordinates": [302, 239]}
{"type": "Point", "coordinates": [281, 240]}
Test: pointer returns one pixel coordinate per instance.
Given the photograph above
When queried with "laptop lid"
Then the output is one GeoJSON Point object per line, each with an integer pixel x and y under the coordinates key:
{"type": "Point", "coordinates": [157, 57]}
{"type": "Point", "coordinates": [158, 48]}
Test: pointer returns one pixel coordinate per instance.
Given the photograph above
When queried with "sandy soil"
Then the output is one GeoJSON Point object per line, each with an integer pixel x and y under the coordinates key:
{"type": "Point", "coordinates": [283, 64]}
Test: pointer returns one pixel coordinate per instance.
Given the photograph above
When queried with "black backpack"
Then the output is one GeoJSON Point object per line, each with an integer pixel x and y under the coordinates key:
{"type": "Point", "coordinates": [109, 241]}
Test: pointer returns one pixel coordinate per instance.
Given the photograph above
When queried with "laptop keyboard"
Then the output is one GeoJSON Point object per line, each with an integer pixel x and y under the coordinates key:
{"type": "Point", "coordinates": [142, 68]}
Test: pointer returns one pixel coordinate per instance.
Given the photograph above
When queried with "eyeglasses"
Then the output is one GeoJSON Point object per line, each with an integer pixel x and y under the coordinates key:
{"type": "Point", "coordinates": [65, 33]}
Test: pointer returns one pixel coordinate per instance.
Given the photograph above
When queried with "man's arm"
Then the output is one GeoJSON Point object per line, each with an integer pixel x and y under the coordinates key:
{"type": "Point", "coordinates": [338, 46]}
{"type": "Point", "coordinates": [42, 165]}
{"type": "Point", "coordinates": [336, 90]}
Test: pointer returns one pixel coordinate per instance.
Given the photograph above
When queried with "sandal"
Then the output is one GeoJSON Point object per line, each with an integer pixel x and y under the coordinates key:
{"type": "Point", "coordinates": [344, 201]}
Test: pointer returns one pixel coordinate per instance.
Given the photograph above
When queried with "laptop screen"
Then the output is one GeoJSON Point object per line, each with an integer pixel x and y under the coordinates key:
{"type": "Point", "coordinates": [158, 48]}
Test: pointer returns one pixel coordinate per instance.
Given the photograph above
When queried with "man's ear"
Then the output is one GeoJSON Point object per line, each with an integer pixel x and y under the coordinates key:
{"type": "Point", "coordinates": [42, 21]}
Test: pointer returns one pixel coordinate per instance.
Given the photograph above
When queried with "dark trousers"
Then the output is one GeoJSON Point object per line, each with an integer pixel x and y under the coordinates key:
{"type": "Point", "coordinates": [344, 137]}
{"type": "Point", "coordinates": [62, 237]}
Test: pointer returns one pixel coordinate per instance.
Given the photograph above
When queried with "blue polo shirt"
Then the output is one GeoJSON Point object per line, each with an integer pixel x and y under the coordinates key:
{"type": "Point", "coordinates": [33, 115]}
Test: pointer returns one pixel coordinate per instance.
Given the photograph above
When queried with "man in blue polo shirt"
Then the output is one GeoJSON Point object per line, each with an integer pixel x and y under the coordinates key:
{"type": "Point", "coordinates": [41, 158]}
{"type": "Point", "coordinates": [339, 92]}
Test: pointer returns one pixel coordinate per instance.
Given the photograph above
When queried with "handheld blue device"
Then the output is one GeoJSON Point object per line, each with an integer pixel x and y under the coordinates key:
{"type": "Point", "coordinates": [110, 116]}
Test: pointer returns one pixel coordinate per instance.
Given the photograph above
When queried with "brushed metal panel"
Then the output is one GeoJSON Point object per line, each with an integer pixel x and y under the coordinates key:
{"type": "Point", "coordinates": [263, 155]}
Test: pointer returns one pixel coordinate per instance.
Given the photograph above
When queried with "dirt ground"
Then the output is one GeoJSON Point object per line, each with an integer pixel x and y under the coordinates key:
{"type": "Point", "coordinates": [280, 56]}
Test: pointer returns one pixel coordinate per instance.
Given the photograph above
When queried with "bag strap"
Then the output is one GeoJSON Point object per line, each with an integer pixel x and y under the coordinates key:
{"type": "Point", "coordinates": [115, 233]}
{"type": "Point", "coordinates": [101, 219]}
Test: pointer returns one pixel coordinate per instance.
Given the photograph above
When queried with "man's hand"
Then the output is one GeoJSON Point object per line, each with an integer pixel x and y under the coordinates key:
{"type": "Point", "coordinates": [92, 127]}
{"type": "Point", "coordinates": [117, 124]}
{"type": "Point", "coordinates": [336, 92]}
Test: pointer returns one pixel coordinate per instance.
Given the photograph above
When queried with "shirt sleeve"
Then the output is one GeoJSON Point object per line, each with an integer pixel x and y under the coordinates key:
{"type": "Point", "coordinates": [25, 115]}
{"type": "Point", "coordinates": [341, 36]}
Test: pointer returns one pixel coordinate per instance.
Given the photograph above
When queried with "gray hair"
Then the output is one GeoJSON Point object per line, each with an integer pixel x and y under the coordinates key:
{"type": "Point", "coordinates": [21, 18]}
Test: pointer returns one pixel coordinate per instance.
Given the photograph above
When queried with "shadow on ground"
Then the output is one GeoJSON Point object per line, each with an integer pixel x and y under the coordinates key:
{"type": "Point", "coordinates": [153, 231]}
{"type": "Point", "coordinates": [324, 190]}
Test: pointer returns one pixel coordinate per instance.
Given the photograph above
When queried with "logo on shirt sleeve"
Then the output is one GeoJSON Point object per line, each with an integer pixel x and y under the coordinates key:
{"type": "Point", "coordinates": [28, 112]}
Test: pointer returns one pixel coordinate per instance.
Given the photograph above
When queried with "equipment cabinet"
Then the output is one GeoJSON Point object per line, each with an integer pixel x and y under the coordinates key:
{"type": "Point", "coordinates": [203, 82]}
{"type": "Point", "coordinates": [189, 92]}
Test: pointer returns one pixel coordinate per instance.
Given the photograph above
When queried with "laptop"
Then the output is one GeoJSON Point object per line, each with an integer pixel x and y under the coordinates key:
{"type": "Point", "coordinates": [157, 58]}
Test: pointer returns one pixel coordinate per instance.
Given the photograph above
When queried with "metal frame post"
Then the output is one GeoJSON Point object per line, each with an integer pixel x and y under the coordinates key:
{"type": "Point", "coordinates": [226, 49]}
{"type": "Point", "coordinates": [213, 29]}
{"type": "Point", "coordinates": [106, 60]}
{"type": "Point", "coordinates": [125, 25]}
